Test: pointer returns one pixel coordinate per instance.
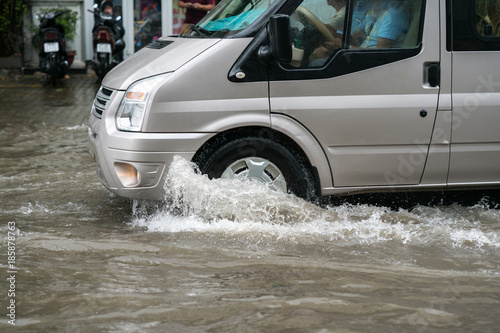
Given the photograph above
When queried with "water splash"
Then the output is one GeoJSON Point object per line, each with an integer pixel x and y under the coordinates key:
{"type": "Point", "coordinates": [195, 203]}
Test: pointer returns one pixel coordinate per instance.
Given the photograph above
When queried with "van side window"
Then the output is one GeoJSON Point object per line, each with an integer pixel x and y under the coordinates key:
{"type": "Point", "coordinates": [318, 28]}
{"type": "Point", "coordinates": [387, 24]}
{"type": "Point", "coordinates": [384, 24]}
{"type": "Point", "coordinates": [475, 25]}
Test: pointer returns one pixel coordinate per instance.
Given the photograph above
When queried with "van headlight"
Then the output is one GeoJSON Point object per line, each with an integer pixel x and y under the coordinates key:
{"type": "Point", "coordinates": [133, 106]}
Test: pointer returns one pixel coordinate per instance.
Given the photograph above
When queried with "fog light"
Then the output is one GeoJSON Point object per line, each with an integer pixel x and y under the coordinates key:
{"type": "Point", "coordinates": [129, 176]}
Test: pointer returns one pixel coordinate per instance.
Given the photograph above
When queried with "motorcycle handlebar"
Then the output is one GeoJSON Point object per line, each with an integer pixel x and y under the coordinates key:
{"type": "Point", "coordinates": [102, 16]}
{"type": "Point", "coordinates": [57, 14]}
{"type": "Point", "coordinates": [49, 18]}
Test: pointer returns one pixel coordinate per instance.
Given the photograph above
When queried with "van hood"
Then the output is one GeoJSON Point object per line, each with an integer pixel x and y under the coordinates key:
{"type": "Point", "coordinates": [161, 56]}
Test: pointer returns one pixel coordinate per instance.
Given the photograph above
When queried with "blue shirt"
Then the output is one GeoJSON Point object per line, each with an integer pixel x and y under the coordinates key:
{"type": "Point", "coordinates": [389, 21]}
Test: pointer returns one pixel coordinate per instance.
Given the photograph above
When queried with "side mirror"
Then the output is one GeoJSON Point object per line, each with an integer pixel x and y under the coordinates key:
{"type": "Point", "coordinates": [279, 37]}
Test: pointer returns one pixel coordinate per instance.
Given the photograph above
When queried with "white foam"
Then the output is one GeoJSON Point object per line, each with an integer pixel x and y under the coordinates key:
{"type": "Point", "coordinates": [240, 207]}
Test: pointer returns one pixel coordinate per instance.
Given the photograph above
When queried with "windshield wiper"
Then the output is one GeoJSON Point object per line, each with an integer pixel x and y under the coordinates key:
{"type": "Point", "coordinates": [221, 33]}
{"type": "Point", "coordinates": [200, 30]}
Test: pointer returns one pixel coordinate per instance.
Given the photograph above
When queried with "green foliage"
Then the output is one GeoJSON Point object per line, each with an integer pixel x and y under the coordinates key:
{"type": "Point", "coordinates": [68, 20]}
{"type": "Point", "coordinates": [11, 16]}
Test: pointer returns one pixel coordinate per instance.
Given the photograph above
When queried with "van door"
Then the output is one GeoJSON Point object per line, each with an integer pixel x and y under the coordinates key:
{"type": "Point", "coordinates": [475, 145]}
{"type": "Point", "coordinates": [365, 83]}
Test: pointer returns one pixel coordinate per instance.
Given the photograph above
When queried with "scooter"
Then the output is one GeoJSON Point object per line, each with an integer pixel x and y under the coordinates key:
{"type": "Point", "coordinates": [108, 44]}
{"type": "Point", "coordinates": [52, 46]}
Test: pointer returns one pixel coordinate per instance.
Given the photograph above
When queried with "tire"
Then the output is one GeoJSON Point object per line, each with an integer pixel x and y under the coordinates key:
{"type": "Point", "coordinates": [53, 71]}
{"type": "Point", "coordinates": [102, 72]}
{"type": "Point", "coordinates": [262, 159]}
{"type": "Point", "coordinates": [103, 67]}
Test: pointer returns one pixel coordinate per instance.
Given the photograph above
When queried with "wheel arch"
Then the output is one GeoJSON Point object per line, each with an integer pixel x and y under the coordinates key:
{"type": "Point", "coordinates": [307, 143]}
{"type": "Point", "coordinates": [287, 132]}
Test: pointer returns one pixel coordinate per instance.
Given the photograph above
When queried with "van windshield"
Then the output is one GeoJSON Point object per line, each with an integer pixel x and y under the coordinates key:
{"type": "Point", "coordinates": [229, 18]}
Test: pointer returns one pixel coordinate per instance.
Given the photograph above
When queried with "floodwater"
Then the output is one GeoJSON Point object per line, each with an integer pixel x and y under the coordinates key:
{"type": "Point", "coordinates": [220, 256]}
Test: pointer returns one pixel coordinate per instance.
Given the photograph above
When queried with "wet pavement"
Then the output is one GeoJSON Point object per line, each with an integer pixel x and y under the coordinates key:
{"type": "Point", "coordinates": [225, 258]}
{"type": "Point", "coordinates": [68, 103]}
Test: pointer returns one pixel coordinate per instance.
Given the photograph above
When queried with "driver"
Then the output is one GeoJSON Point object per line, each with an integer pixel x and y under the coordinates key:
{"type": "Point", "coordinates": [336, 27]}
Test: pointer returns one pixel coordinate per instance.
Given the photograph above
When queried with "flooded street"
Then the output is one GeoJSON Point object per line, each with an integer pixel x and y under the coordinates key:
{"type": "Point", "coordinates": [219, 256]}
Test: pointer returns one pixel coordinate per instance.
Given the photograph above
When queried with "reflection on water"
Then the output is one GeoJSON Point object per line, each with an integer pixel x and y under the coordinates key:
{"type": "Point", "coordinates": [230, 256]}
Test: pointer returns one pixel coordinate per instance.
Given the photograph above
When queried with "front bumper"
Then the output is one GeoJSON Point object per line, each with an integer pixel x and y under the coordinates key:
{"type": "Point", "coordinates": [134, 164]}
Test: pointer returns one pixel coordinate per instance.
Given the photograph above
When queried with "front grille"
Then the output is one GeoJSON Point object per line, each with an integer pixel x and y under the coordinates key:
{"type": "Point", "coordinates": [100, 101]}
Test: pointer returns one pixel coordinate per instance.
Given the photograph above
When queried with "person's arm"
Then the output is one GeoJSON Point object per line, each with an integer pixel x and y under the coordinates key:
{"type": "Point", "coordinates": [384, 43]}
{"type": "Point", "coordinates": [357, 38]}
{"type": "Point", "coordinates": [183, 4]}
{"type": "Point", "coordinates": [204, 8]}
{"type": "Point", "coordinates": [391, 28]}
{"type": "Point", "coordinates": [327, 49]}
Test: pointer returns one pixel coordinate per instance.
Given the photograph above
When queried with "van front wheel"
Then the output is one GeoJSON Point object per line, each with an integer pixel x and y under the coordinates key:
{"type": "Point", "coordinates": [260, 159]}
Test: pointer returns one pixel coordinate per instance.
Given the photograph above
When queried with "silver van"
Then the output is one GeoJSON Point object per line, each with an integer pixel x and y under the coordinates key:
{"type": "Point", "coordinates": [313, 97]}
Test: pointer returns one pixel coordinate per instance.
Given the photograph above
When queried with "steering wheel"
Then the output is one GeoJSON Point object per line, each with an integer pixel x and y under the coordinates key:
{"type": "Point", "coordinates": [306, 13]}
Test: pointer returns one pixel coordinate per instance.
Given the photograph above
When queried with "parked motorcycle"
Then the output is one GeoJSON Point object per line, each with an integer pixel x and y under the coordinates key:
{"type": "Point", "coordinates": [52, 46]}
{"type": "Point", "coordinates": [107, 42]}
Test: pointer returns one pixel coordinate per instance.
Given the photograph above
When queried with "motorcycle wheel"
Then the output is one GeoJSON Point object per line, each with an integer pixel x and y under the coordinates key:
{"type": "Point", "coordinates": [103, 67]}
{"type": "Point", "coordinates": [102, 72]}
{"type": "Point", "coordinates": [53, 71]}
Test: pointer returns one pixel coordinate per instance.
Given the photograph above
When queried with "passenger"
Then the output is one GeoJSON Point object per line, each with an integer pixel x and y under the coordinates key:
{"type": "Point", "coordinates": [384, 26]}
{"type": "Point", "coordinates": [195, 11]}
{"type": "Point", "coordinates": [359, 14]}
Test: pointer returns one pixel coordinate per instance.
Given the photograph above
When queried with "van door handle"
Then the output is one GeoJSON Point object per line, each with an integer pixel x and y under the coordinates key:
{"type": "Point", "coordinates": [434, 75]}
